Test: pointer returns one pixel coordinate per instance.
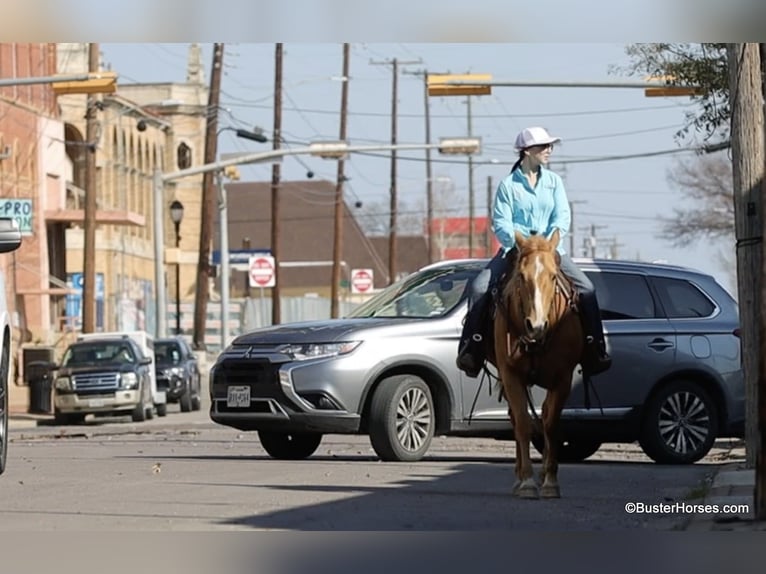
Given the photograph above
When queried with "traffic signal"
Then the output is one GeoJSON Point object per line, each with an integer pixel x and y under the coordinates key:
{"type": "Point", "coordinates": [231, 172]}
{"type": "Point", "coordinates": [439, 85]}
{"type": "Point", "coordinates": [97, 83]}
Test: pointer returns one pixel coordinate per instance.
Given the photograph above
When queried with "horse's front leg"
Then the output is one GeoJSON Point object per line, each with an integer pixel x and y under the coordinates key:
{"type": "Point", "coordinates": [554, 402]}
{"type": "Point", "coordinates": [525, 486]}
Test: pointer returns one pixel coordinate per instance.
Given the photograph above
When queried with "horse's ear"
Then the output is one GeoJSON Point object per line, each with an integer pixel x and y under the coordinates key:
{"type": "Point", "coordinates": [555, 237]}
{"type": "Point", "coordinates": [519, 239]}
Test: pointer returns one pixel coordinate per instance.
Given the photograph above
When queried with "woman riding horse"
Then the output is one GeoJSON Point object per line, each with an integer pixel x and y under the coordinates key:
{"type": "Point", "coordinates": [538, 340]}
{"type": "Point", "coordinates": [531, 199]}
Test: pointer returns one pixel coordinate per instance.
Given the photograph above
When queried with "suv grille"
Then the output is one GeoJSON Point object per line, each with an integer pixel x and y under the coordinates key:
{"type": "Point", "coordinates": [96, 382]}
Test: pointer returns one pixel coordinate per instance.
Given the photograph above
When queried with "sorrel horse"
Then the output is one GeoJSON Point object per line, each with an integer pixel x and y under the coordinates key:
{"type": "Point", "coordinates": [538, 341]}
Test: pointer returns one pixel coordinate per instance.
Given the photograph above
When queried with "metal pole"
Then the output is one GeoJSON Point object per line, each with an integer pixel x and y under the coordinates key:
{"type": "Point", "coordinates": [471, 197]}
{"type": "Point", "coordinates": [223, 240]}
{"type": "Point", "coordinates": [178, 278]}
{"type": "Point", "coordinates": [160, 328]}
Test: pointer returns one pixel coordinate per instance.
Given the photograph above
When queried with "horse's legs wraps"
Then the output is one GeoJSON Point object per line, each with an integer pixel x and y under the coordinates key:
{"type": "Point", "coordinates": [554, 402]}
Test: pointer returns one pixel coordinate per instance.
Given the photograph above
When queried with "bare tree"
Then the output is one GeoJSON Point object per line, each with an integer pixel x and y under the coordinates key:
{"type": "Point", "coordinates": [706, 182]}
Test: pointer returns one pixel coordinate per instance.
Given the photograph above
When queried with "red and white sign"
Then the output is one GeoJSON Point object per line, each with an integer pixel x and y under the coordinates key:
{"type": "Point", "coordinates": [361, 280]}
{"type": "Point", "coordinates": [261, 271]}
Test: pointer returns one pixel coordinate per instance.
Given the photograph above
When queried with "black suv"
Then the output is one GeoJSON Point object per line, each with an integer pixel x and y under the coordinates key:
{"type": "Point", "coordinates": [178, 373]}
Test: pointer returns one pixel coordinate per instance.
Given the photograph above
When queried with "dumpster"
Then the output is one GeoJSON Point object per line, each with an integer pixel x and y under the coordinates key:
{"type": "Point", "coordinates": [39, 375]}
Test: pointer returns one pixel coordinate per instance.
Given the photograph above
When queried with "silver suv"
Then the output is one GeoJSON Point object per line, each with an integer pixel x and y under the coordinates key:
{"type": "Point", "coordinates": [388, 370]}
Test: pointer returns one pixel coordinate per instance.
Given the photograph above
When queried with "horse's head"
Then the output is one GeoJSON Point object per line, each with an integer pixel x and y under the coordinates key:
{"type": "Point", "coordinates": [532, 288]}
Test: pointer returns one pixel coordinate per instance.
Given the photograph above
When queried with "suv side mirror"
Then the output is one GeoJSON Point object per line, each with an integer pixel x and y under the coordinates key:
{"type": "Point", "coordinates": [145, 361]}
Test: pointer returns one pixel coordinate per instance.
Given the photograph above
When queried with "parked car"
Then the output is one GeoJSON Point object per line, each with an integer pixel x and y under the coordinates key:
{"type": "Point", "coordinates": [388, 370]}
{"type": "Point", "coordinates": [109, 375]}
{"type": "Point", "coordinates": [178, 373]}
{"type": "Point", "coordinates": [10, 240]}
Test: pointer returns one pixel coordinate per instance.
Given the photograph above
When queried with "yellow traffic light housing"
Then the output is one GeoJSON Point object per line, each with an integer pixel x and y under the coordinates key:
{"type": "Point", "coordinates": [441, 85]}
{"type": "Point", "coordinates": [97, 83]}
{"type": "Point", "coordinates": [666, 89]}
{"type": "Point", "coordinates": [231, 172]}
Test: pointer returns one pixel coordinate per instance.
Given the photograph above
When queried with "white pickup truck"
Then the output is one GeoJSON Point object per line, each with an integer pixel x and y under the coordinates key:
{"type": "Point", "coordinates": [10, 240]}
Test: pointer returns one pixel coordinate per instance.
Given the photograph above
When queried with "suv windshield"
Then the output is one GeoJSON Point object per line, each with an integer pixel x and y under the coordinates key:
{"type": "Point", "coordinates": [167, 353]}
{"type": "Point", "coordinates": [98, 354]}
{"type": "Point", "coordinates": [425, 294]}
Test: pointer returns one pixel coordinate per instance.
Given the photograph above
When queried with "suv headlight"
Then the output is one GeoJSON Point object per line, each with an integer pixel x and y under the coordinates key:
{"type": "Point", "coordinates": [63, 384]}
{"type": "Point", "coordinates": [128, 381]}
{"type": "Point", "coordinates": [320, 350]}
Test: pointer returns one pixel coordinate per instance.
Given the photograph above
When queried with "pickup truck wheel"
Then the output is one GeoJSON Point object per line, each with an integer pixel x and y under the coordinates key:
{"type": "Point", "coordinates": [139, 413]}
{"type": "Point", "coordinates": [185, 402]}
{"type": "Point", "coordinates": [289, 446]}
{"type": "Point", "coordinates": [162, 409]}
{"type": "Point", "coordinates": [402, 419]}
{"type": "Point", "coordinates": [4, 369]}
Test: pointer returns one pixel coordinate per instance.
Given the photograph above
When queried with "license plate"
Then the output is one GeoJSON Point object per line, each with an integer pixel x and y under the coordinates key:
{"type": "Point", "coordinates": [238, 397]}
{"type": "Point", "coordinates": [96, 403]}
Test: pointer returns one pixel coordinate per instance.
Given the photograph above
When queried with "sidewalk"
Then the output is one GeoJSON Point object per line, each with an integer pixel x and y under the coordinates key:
{"type": "Point", "coordinates": [732, 484]}
{"type": "Point", "coordinates": [24, 420]}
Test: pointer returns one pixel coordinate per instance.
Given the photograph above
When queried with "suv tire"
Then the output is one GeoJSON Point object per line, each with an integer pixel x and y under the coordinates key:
{"type": "Point", "coordinates": [289, 446]}
{"type": "Point", "coordinates": [680, 424]}
{"type": "Point", "coordinates": [575, 450]}
{"type": "Point", "coordinates": [5, 360]}
{"type": "Point", "coordinates": [402, 418]}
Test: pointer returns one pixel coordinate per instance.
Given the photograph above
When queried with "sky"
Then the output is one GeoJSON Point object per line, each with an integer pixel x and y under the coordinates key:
{"type": "Point", "coordinates": [623, 199]}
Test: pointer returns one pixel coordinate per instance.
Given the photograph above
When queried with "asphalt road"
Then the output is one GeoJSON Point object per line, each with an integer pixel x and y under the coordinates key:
{"type": "Point", "coordinates": [184, 473]}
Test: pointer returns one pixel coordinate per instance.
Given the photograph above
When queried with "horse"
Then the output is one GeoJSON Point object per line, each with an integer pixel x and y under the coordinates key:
{"type": "Point", "coordinates": [538, 340]}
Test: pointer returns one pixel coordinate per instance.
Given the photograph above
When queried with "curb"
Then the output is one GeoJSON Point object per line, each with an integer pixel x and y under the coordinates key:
{"type": "Point", "coordinates": [732, 484]}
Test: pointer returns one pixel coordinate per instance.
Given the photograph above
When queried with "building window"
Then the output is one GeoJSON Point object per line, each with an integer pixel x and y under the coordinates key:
{"type": "Point", "coordinates": [184, 156]}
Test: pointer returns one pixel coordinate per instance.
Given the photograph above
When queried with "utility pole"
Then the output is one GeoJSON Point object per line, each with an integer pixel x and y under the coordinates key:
{"type": "Point", "coordinates": [572, 225]}
{"type": "Point", "coordinates": [89, 216]}
{"type": "Point", "coordinates": [471, 199]}
{"type": "Point", "coordinates": [395, 63]}
{"type": "Point", "coordinates": [747, 147]}
{"type": "Point", "coordinates": [275, 179]}
{"type": "Point", "coordinates": [488, 231]}
{"type": "Point", "coordinates": [208, 202]}
{"type": "Point", "coordinates": [337, 248]}
{"type": "Point", "coordinates": [591, 241]}
{"type": "Point", "coordinates": [429, 171]}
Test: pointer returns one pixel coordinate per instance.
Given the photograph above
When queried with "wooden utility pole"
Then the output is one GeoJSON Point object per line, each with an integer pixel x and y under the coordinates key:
{"type": "Point", "coordinates": [337, 248]}
{"type": "Point", "coordinates": [488, 230]}
{"type": "Point", "coordinates": [89, 216]}
{"type": "Point", "coordinates": [429, 176]}
{"type": "Point", "coordinates": [392, 254]}
{"type": "Point", "coordinates": [430, 244]}
{"type": "Point", "coordinates": [471, 198]}
{"type": "Point", "coordinates": [747, 147]}
{"type": "Point", "coordinates": [395, 63]}
{"type": "Point", "coordinates": [275, 179]}
{"type": "Point", "coordinates": [208, 202]}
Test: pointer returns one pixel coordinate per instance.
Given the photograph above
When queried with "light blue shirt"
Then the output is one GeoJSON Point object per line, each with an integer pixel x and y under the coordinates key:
{"type": "Point", "coordinates": [520, 207]}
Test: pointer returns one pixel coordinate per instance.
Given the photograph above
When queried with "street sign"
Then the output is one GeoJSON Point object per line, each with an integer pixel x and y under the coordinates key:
{"type": "Point", "coordinates": [261, 271]}
{"type": "Point", "coordinates": [361, 280]}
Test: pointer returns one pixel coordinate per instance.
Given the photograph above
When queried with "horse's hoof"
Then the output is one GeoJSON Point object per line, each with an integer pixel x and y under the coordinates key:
{"type": "Point", "coordinates": [550, 491]}
{"type": "Point", "coordinates": [526, 489]}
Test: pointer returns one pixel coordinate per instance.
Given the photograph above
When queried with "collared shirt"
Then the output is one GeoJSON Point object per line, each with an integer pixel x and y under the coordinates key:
{"type": "Point", "coordinates": [520, 207]}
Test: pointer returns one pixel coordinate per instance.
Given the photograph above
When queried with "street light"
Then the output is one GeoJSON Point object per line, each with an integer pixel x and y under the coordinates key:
{"type": "Point", "coordinates": [446, 146]}
{"type": "Point", "coordinates": [176, 215]}
{"type": "Point", "coordinates": [223, 226]}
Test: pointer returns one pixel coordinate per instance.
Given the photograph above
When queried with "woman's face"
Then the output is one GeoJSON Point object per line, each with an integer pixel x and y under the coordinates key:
{"type": "Point", "coordinates": [540, 154]}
